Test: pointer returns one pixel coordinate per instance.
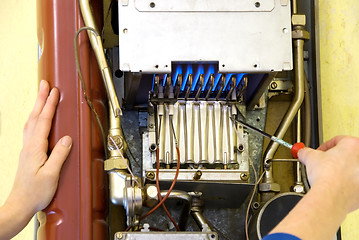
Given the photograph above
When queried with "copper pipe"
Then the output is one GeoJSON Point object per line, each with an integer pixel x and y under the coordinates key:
{"type": "Point", "coordinates": [96, 43]}
{"type": "Point", "coordinates": [294, 7]}
{"type": "Point", "coordinates": [292, 111]}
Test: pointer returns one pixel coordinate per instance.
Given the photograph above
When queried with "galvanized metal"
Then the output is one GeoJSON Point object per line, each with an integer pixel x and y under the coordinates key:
{"type": "Point", "coordinates": [190, 31]}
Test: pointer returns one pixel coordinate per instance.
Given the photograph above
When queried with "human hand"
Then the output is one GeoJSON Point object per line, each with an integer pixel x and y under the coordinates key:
{"type": "Point", "coordinates": [37, 175]}
{"type": "Point", "coordinates": [335, 165]}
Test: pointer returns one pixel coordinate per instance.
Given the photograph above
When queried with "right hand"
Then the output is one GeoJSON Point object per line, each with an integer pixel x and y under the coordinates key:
{"type": "Point", "coordinates": [335, 165]}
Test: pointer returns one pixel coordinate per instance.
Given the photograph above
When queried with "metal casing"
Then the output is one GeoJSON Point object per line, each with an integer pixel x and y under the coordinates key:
{"type": "Point", "coordinates": [79, 208]}
{"type": "Point", "coordinates": [242, 36]}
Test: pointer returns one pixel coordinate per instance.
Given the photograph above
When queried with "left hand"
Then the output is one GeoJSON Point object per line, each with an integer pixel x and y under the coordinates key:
{"type": "Point", "coordinates": [37, 175]}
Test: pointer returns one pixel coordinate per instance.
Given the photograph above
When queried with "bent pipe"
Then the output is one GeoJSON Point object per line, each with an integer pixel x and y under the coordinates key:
{"type": "Point", "coordinates": [292, 111]}
{"type": "Point", "coordinates": [96, 43]}
{"type": "Point", "coordinates": [176, 194]}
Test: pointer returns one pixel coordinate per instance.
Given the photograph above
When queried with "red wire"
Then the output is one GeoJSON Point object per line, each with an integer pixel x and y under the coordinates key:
{"type": "Point", "coordinates": [169, 190]}
{"type": "Point", "coordinates": [159, 191]}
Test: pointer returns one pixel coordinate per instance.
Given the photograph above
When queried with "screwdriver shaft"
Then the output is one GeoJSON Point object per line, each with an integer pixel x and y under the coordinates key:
{"type": "Point", "coordinates": [273, 138]}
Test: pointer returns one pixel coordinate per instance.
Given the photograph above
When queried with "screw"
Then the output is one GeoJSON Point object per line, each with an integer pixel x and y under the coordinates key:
{"type": "Point", "coordinates": [244, 176]}
{"type": "Point", "coordinates": [151, 125]}
{"type": "Point", "coordinates": [273, 85]}
{"type": "Point", "coordinates": [257, 4]}
{"type": "Point", "coordinates": [152, 4]}
{"type": "Point", "coordinates": [150, 175]}
{"type": "Point", "coordinates": [119, 235]}
{"type": "Point", "coordinates": [197, 175]}
{"type": "Point", "coordinates": [241, 148]}
{"type": "Point", "coordinates": [153, 147]}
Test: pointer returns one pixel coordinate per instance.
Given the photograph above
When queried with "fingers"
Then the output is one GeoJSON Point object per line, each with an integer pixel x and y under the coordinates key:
{"type": "Point", "coordinates": [58, 156]}
{"type": "Point", "coordinates": [43, 125]}
{"type": "Point", "coordinates": [331, 143]}
{"type": "Point", "coordinates": [41, 99]}
{"type": "Point", "coordinates": [308, 154]}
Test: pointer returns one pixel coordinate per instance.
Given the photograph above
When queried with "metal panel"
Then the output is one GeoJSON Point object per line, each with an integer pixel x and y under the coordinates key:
{"type": "Point", "coordinates": [166, 235]}
{"type": "Point", "coordinates": [78, 210]}
{"type": "Point", "coordinates": [205, 135]}
{"type": "Point", "coordinates": [204, 5]}
{"type": "Point", "coordinates": [243, 41]}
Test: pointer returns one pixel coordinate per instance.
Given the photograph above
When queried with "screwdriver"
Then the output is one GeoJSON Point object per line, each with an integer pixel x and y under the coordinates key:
{"type": "Point", "coordinates": [294, 148]}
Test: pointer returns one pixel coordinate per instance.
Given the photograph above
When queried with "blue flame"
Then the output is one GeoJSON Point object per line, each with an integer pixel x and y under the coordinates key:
{"type": "Point", "coordinates": [216, 80]}
{"type": "Point", "coordinates": [200, 71]}
{"type": "Point", "coordinates": [208, 75]}
{"type": "Point", "coordinates": [176, 73]}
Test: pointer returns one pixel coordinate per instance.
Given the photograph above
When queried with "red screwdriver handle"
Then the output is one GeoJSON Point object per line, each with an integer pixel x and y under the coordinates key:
{"type": "Point", "coordinates": [296, 147]}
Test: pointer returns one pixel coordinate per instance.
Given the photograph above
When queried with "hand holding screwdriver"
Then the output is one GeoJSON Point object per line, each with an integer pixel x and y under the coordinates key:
{"type": "Point", "coordinates": [293, 147]}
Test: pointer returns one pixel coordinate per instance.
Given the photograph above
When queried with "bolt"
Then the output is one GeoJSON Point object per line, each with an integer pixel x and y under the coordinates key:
{"type": "Point", "coordinates": [244, 176]}
{"type": "Point", "coordinates": [150, 175]}
{"type": "Point", "coordinates": [257, 4]}
{"type": "Point", "coordinates": [273, 85]}
{"type": "Point", "coordinates": [151, 125]}
{"type": "Point", "coordinates": [197, 175]}
{"type": "Point", "coordinates": [119, 235]}
{"type": "Point", "coordinates": [152, 4]}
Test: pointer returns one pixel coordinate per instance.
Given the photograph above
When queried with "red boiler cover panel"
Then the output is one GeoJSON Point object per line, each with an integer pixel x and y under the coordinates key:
{"type": "Point", "coordinates": [79, 208]}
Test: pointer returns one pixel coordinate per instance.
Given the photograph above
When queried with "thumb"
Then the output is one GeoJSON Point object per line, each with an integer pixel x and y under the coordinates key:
{"type": "Point", "coordinates": [58, 155]}
{"type": "Point", "coordinates": [308, 154]}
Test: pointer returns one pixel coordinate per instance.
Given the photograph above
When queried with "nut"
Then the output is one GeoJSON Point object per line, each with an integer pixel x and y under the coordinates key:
{"type": "Point", "coordinates": [300, 34]}
{"type": "Point", "coordinates": [114, 163]}
{"type": "Point", "coordinates": [298, 20]}
{"type": "Point", "coordinates": [269, 187]}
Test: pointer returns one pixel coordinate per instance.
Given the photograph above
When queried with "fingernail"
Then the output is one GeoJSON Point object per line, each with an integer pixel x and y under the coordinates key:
{"type": "Point", "coordinates": [66, 141]}
{"type": "Point", "coordinates": [52, 91]}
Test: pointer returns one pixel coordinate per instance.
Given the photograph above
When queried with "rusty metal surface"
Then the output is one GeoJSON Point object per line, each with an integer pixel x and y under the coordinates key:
{"type": "Point", "coordinates": [78, 210]}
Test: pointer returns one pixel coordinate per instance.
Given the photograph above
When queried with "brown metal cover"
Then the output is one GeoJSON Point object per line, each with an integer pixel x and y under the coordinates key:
{"type": "Point", "coordinates": [79, 208]}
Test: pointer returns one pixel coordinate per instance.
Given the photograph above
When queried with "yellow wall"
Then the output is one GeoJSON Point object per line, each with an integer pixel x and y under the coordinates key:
{"type": "Point", "coordinates": [339, 60]}
{"type": "Point", "coordinates": [18, 87]}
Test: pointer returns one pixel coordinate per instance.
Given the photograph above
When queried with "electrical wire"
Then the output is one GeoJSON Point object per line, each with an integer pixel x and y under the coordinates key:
{"type": "Point", "coordinates": [168, 192]}
{"type": "Point", "coordinates": [159, 191]}
{"type": "Point", "coordinates": [83, 85]}
{"type": "Point", "coordinates": [171, 187]}
{"type": "Point", "coordinates": [157, 176]}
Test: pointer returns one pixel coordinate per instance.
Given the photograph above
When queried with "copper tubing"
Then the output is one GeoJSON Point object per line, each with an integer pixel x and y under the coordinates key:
{"type": "Point", "coordinates": [299, 139]}
{"type": "Point", "coordinates": [292, 111]}
{"type": "Point", "coordinates": [97, 47]}
{"type": "Point", "coordinates": [187, 199]}
{"type": "Point", "coordinates": [294, 7]}
{"type": "Point", "coordinates": [200, 219]}
{"type": "Point", "coordinates": [307, 114]}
